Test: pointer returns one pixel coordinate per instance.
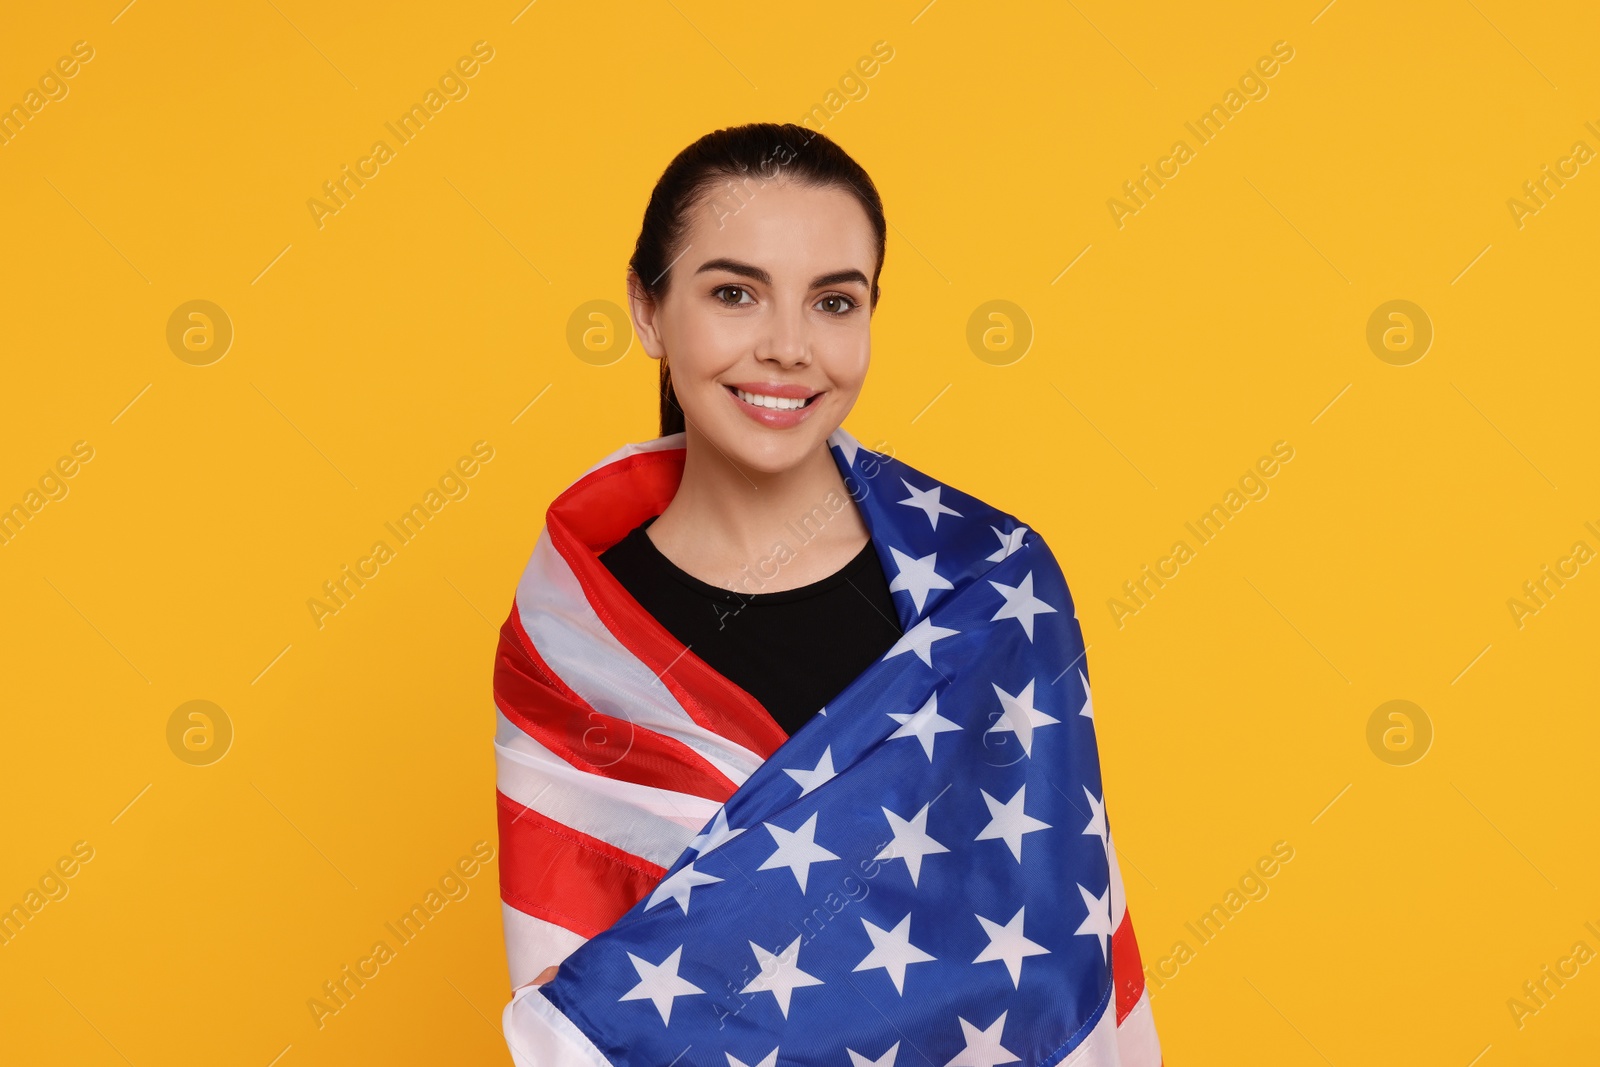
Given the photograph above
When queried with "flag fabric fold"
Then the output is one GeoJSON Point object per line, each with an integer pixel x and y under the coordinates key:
{"type": "Point", "coordinates": [923, 874]}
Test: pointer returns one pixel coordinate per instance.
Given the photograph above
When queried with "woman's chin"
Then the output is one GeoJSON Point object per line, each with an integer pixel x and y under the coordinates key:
{"type": "Point", "coordinates": [771, 452]}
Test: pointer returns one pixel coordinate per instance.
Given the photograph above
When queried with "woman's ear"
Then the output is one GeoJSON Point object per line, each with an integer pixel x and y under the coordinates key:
{"type": "Point", "coordinates": [643, 311]}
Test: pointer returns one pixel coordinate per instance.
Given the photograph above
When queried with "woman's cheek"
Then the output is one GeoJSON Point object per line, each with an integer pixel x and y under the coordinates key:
{"type": "Point", "coordinates": [708, 346]}
{"type": "Point", "coordinates": [852, 367]}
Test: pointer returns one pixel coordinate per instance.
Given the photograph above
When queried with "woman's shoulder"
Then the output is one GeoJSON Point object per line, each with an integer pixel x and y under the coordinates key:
{"type": "Point", "coordinates": [928, 510]}
{"type": "Point", "coordinates": [871, 471]}
{"type": "Point", "coordinates": [946, 541]}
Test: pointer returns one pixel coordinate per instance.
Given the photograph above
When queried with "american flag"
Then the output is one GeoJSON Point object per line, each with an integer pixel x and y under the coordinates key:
{"type": "Point", "coordinates": [924, 874]}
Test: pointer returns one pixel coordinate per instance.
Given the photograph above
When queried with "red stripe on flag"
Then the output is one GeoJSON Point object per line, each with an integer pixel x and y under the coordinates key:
{"type": "Point", "coordinates": [564, 876]}
{"type": "Point", "coordinates": [546, 709]}
{"type": "Point", "coordinates": [589, 518]}
{"type": "Point", "coordinates": [1126, 968]}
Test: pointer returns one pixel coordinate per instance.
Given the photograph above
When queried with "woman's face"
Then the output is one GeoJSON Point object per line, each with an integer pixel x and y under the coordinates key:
{"type": "Point", "coordinates": [767, 303]}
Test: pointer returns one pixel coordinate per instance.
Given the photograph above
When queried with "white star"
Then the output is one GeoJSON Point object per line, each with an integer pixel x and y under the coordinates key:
{"type": "Point", "coordinates": [893, 951]}
{"type": "Point", "coordinates": [809, 780]}
{"type": "Point", "coordinates": [1007, 943]}
{"type": "Point", "coordinates": [1098, 922]}
{"type": "Point", "coordinates": [983, 1046]}
{"type": "Point", "coordinates": [886, 1060]}
{"type": "Point", "coordinates": [659, 983]}
{"type": "Point", "coordinates": [1087, 711]}
{"type": "Point", "coordinates": [677, 887]}
{"type": "Point", "coordinates": [1020, 604]}
{"type": "Point", "coordinates": [920, 639]}
{"type": "Point", "coordinates": [924, 724]}
{"type": "Point", "coordinates": [1009, 543]}
{"type": "Point", "coordinates": [780, 974]}
{"type": "Point", "coordinates": [911, 841]}
{"type": "Point", "coordinates": [718, 834]}
{"type": "Point", "coordinates": [1008, 823]}
{"type": "Point", "coordinates": [1097, 819]}
{"type": "Point", "coordinates": [796, 850]}
{"type": "Point", "coordinates": [928, 501]}
{"type": "Point", "coordinates": [1020, 716]}
{"type": "Point", "coordinates": [917, 576]}
{"type": "Point", "coordinates": [769, 1060]}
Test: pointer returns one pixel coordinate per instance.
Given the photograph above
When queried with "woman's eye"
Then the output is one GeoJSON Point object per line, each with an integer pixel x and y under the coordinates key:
{"type": "Point", "coordinates": [730, 289]}
{"type": "Point", "coordinates": [848, 304]}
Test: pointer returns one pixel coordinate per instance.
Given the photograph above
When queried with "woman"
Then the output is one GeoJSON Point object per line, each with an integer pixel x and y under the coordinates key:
{"type": "Point", "coordinates": [795, 753]}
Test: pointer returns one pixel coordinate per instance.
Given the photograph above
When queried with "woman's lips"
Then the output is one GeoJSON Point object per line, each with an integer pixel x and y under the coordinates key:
{"type": "Point", "coordinates": [772, 417]}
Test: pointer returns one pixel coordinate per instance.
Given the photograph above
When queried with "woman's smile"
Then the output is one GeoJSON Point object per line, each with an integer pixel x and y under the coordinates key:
{"type": "Point", "coordinates": [772, 404]}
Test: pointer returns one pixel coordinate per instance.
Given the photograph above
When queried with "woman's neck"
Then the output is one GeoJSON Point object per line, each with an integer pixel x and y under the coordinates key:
{"type": "Point", "coordinates": [759, 532]}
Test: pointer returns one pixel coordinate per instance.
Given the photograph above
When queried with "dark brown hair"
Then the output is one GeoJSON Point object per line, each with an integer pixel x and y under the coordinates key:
{"type": "Point", "coordinates": [752, 154]}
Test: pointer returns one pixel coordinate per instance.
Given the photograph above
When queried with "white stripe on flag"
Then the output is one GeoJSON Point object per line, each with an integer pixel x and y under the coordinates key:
{"type": "Point", "coordinates": [653, 824]}
{"type": "Point", "coordinates": [540, 1036]}
{"type": "Point", "coordinates": [1136, 1037]}
{"type": "Point", "coordinates": [532, 944]}
{"type": "Point", "coordinates": [601, 670]}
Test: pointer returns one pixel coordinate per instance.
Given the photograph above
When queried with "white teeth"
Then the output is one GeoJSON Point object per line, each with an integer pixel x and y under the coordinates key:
{"type": "Point", "coordinates": [777, 403]}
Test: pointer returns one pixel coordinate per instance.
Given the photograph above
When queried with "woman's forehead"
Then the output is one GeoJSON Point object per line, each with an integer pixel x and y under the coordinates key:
{"type": "Point", "coordinates": [783, 227]}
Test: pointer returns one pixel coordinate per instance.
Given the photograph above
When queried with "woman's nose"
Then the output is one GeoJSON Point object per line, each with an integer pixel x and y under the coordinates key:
{"type": "Point", "coordinates": [786, 342]}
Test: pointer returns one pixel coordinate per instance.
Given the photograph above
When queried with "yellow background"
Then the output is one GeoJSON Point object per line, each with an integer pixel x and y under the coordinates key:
{"type": "Point", "coordinates": [1227, 314]}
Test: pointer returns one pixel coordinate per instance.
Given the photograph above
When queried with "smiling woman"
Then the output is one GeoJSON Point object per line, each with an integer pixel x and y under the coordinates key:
{"type": "Point", "coordinates": [768, 329]}
{"type": "Point", "coordinates": [691, 774]}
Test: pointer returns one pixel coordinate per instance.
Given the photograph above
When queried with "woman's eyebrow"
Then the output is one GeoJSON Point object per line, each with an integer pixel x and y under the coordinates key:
{"type": "Point", "coordinates": [746, 270]}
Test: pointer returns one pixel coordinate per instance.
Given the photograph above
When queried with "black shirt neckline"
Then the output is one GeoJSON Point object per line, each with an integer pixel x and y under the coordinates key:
{"type": "Point", "coordinates": [781, 596]}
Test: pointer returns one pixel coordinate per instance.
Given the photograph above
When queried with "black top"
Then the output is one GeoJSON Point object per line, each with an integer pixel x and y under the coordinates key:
{"type": "Point", "coordinates": [792, 650]}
